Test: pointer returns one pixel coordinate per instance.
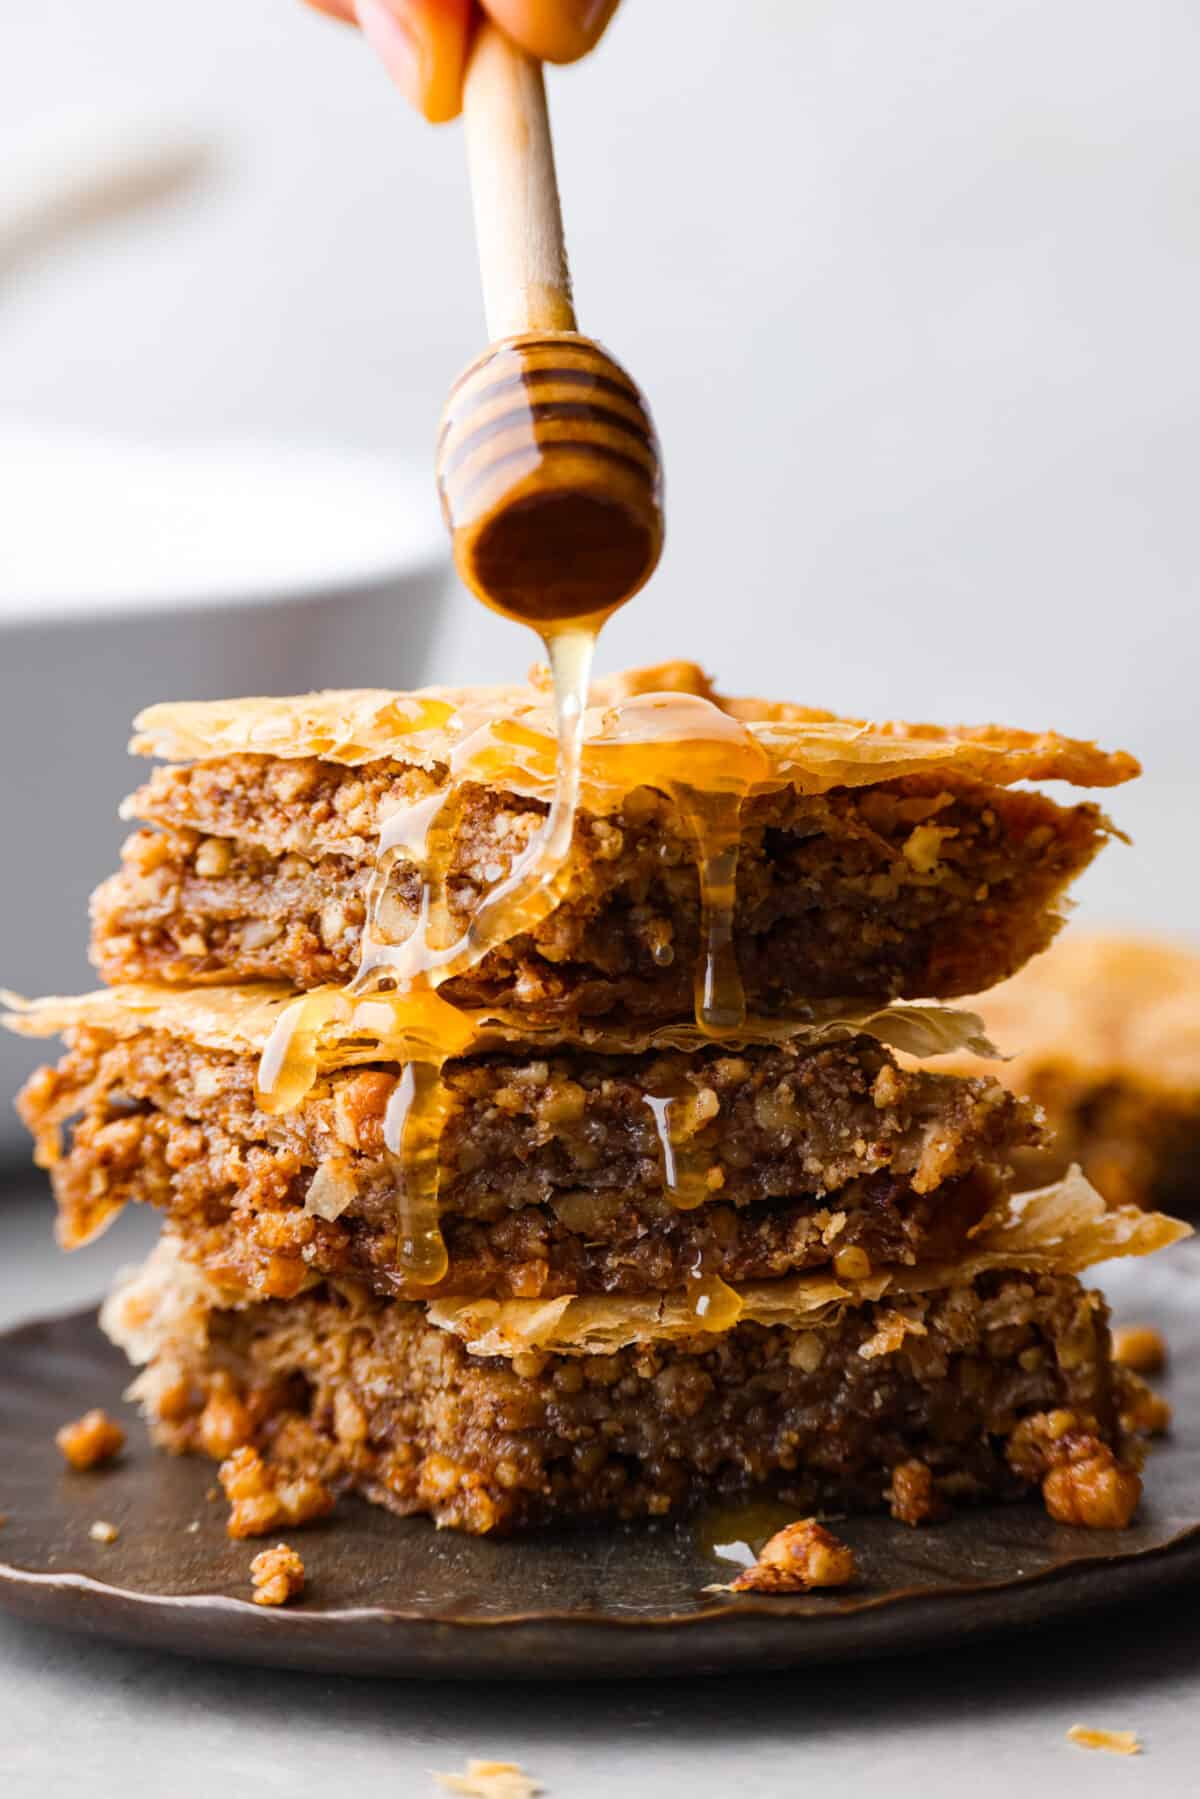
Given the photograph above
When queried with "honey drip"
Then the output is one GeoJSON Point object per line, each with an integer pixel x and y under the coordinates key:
{"type": "Point", "coordinates": [685, 1164]}
{"type": "Point", "coordinates": [720, 998]}
{"type": "Point", "coordinates": [681, 746]}
{"type": "Point", "coordinates": [713, 1304]}
{"type": "Point", "coordinates": [398, 981]}
{"type": "Point", "coordinates": [739, 1533]}
{"type": "Point", "coordinates": [707, 763]}
{"type": "Point", "coordinates": [425, 834]}
{"type": "Point", "coordinates": [289, 1063]}
{"type": "Point", "coordinates": [412, 1133]}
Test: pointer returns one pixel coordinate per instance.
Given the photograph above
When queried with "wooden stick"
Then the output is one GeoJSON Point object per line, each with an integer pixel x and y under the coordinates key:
{"type": "Point", "coordinates": [518, 221]}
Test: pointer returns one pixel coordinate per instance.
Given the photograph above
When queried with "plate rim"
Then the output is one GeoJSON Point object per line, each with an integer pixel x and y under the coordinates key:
{"type": "Point", "coordinates": [732, 1635]}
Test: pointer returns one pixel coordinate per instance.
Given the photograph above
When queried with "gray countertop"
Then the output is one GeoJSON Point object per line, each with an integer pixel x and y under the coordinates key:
{"type": "Point", "coordinates": [79, 1716]}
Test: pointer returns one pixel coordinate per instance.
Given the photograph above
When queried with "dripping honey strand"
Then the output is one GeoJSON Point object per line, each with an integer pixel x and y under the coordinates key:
{"type": "Point", "coordinates": [651, 742]}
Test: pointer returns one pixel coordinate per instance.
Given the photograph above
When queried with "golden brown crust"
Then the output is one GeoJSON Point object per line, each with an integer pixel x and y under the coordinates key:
{"type": "Point", "coordinates": [810, 749]}
{"type": "Point", "coordinates": [239, 1020]}
{"type": "Point", "coordinates": [351, 1393]}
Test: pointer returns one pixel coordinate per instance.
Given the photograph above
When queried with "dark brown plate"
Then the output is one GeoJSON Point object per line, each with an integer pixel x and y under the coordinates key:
{"type": "Point", "coordinates": [392, 1596]}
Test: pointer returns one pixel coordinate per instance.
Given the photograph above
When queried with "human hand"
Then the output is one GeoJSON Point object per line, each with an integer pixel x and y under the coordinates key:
{"type": "Point", "coordinates": [424, 43]}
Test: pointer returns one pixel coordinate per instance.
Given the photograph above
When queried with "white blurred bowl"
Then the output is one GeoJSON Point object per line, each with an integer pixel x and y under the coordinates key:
{"type": "Point", "coordinates": [130, 574]}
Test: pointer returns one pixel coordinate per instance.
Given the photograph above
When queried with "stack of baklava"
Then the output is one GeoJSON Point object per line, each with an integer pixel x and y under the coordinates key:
{"type": "Point", "coordinates": [679, 1265]}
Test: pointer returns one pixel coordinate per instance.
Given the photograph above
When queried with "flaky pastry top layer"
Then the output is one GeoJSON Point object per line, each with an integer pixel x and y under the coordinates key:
{"type": "Point", "coordinates": [801, 747]}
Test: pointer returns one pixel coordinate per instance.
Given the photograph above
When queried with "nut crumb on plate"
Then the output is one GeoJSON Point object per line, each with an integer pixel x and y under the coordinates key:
{"type": "Point", "coordinates": [796, 1559]}
{"type": "Point", "coordinates": [913, 1497]}
{"type": "Point", "coordinates": [1082, 1480]}
{"type": "Point", "coordinates": [1095, 1491]}
{"type": "Point", "coordinates": [90, 1441]}
{"type": "Point", "coordinates": [278, 1575]}
{"type": "Point", "coordinates": [1140, 1347]}
{"type": "Point", "coordinates": [1117, 1742]}
{"type": "Point", "coordinates": [1143, 1412]}
{"type": "Point", "coordinates": [103, 1532]}
{"type": "Point", "coordinates": [490, 1780]}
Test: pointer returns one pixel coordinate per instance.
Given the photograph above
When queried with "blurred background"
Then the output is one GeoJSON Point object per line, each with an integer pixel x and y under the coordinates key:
{"type": "Point", "coordinates": [912, 289]}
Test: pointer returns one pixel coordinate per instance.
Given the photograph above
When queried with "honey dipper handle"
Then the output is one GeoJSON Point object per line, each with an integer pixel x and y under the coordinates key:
{"type": "Point", "coordinates": [518, 222]}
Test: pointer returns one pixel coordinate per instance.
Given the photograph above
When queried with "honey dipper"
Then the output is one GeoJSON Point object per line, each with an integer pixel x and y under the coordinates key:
{"type": "Point", "coordinates": [547, 460]}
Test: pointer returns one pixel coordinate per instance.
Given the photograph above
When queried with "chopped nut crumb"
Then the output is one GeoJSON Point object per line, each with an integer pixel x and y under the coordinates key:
{"type": "Point", "coordinates": [1140, 1347]}
{"type": "Point", "coordinates": [213, 858]}
{"type": "Point", "coordinates": [103, 1532]}
{"type": "Point", "coordinates": [278, 1575]}
{"type": "Point", "coordinates": [89, 1441]}
{"type": "Point", "coordinates": [490, 1780]}
{"type": "Point", "coordinates": [1117, 1742]}
{"type": "Point", "coordinates": [1144, 1413]}
{"type": "Point", "coordinates": [1082, 1480]}
{"type": "Point", "coordinates": [225, 1424]}
{"type": "Point", "coordinates": [797, 1558]}
{"type": "Point", "coordinates": [852, 1264]}
{"type": "Point", "coordinates": [1094, 1491]}
{"type": "Point", "coordinates": [912, 1495]}
{"type": "Point", "coordinates": [263, 1499]}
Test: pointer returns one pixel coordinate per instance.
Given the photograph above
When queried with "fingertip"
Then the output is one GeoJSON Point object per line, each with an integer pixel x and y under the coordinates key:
{"type": "Point", "coordinates": [423, 46]}
{"type": "Point", "coordinates": [558, 31]}
{"type": "Point", "coordinates": [334, 9]}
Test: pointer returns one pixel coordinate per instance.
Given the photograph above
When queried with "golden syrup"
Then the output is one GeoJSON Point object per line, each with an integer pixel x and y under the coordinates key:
{"type": "Point", "coordinates": [289, 1062]}
{"type": "Point", "coordinates": [412, 1132]}
{"type": "Point", "coordinates": [712, 1302]}
{"type": "Point", "coordinates": [681, 745]}
{"type": "Point", "coordinates": [535, 884]}
{"type": "Point", "coordinates": [425, 834]}
{"type": "Point", "coordinates": [707, 763]}
{"type": "Point", "coordinates": [427, 1031]}
{"type": "Point", "coordinates": [685, 1164]}
{"type": "Point", "coordinates": [403, 836]}
{"type": "Point", "coordinates": [719, 997]}
{"type": "Point", "coordinates": [432, 1030]}
{"type": "Point", "coordinates": [739, 1532]}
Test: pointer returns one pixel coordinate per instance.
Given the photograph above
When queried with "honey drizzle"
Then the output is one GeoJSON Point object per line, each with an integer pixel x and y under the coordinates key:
{"type": "Point", "coordinates": [716, 821]}
{"type": "Point", "coordinates": [682, 746]}
{"type": "Point", "coordinates": [412, 1132]}
{"type": "Point", "coordinates": [713, 1304]}
{"type": "Point", "coordinates": [738, 1533]}
{"type": "Point", "coordinates": [429, 955]}
{"type": "Point", "coordinates": [685, 1164]}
